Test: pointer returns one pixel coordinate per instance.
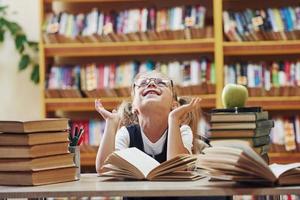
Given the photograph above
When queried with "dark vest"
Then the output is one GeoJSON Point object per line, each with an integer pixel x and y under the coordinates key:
{"type": "Point", "coordinates": [136, 140]}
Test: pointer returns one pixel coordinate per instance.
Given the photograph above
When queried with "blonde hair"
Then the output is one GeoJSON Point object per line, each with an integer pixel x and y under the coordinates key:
{"type": "Point", "coordinates": [192, 120]}
{"type": "Point", "coordinates": [128, 117]}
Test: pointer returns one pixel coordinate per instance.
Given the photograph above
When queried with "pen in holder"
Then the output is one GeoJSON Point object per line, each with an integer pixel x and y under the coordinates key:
{"type": "Point", "coordinates": [74, 147]}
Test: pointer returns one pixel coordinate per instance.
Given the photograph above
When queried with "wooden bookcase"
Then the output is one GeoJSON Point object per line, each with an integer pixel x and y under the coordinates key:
{"type": "Point", "coordinates": [216, 46]}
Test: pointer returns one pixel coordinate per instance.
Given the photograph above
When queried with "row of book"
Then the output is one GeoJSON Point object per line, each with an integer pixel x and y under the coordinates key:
{"type": "Point", "coordinates": [262, 24]}
{"type": "Point", "coordinates": [93, 80]}
{"type": "Point", "coordinates": [285, 135]}
{"type": "Point", "coordinates": [93, 130]}
{"type": "Point", "coordinates": [181, 22]}
{"type": "Point", "coordinates": [265, 78]}
{"type": "Point", "coordinates": [36, 152]}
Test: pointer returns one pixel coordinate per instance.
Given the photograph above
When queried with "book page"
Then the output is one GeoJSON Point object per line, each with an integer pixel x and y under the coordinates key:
{"type": "Point", "coordinates": [279, 169]}
{"type": "Point", "coordinates": [139, 159]}
{"type": "Point", "coordinates": [243, 145]}
{"type": "Point", "coordinates": [256, 159]}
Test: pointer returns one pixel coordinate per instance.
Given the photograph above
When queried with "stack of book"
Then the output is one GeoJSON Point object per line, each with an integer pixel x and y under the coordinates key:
{"type": "Point", "coordinates": [35, 152]}
{"type": "Point", "coordinates": [247, 123]}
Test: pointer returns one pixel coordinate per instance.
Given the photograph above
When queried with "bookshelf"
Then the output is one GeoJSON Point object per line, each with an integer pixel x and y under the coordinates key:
{"type": "Point", "coordinates": [131, 48]}
{"type": "Point", "coordinates": [217, 47]}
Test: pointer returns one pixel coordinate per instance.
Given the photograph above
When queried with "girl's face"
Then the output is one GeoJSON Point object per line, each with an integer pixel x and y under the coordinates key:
{"type": "Point", "coordinates": [153, 89]}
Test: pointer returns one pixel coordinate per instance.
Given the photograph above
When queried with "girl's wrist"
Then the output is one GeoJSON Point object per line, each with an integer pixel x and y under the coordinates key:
{"type": "Point", "coordinates": [173, 120]}
{"type": "Point", "coordinates": [112, 124]}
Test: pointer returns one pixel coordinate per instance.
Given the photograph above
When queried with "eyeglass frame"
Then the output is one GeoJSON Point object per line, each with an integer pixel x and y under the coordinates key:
{"type": "Point", "coordinates": [149, 80]}
{"type": "Point", "coordinates": [152, 80]}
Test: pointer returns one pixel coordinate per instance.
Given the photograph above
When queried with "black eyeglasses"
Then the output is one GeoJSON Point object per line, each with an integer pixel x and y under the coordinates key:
{"type": "Point", "coordinates": [157, 81]}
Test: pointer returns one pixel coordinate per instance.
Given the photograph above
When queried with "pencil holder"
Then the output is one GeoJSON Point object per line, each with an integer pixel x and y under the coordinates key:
{"type": "Point", "coordinates": [76, 151]}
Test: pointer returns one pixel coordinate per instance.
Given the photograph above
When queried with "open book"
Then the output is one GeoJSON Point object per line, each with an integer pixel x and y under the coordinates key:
{"type": "Point", "coordinates": [235, 160]}
{"type": "Point", "coordinates": [131, 163]}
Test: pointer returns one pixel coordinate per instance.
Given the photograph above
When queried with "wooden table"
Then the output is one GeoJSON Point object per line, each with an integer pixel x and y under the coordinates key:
{"type": "Point", "coordinates": [91, 185]}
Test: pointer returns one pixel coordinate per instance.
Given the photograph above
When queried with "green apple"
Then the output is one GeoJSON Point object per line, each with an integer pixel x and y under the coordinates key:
{"type": "Point", "coordinates": [234, 95]}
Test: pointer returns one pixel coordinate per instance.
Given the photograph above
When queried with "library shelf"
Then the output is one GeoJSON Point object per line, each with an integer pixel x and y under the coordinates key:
{"type": "Point", "coordinates": [284, 157]}
{"type": "Point", "coordinates": [87, 104]}
{"type": "Point", "coordinates": [130, 48]}
{"type": "Point", "coordinates": [261, 47]}
{"type": "Point", "coordinates": [276, 102]}
{"type": "Point", "coordinates": [88, 158]}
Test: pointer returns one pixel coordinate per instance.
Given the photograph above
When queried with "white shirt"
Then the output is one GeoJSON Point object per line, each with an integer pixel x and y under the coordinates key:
{"type": "Point", "coordinates": [122, 140]}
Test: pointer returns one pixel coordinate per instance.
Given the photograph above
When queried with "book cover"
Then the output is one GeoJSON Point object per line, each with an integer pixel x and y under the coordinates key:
{"type": "Point", "coordinates": [242, 125]}
{"type": "Point", "coordinates": [38, 177]}
{"type": "Point", "coordinates": [36, 164]}
{"type": "Point", "coordinates": [38, 125]}
{"type": "Point", "coordinates": [33, 138]}
{"type": "Point", "coordinates": [33, 151]}
{"type": "Point", "coordinates": [237, 110]}
{"type": "Point", "coordinates": [238, 117]}
{"type": "Point", "coordinates": [239, 133]}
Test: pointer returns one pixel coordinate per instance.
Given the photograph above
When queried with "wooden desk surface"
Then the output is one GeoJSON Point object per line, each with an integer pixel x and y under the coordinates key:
{"type": "Point", "coordinates": [91, 185]}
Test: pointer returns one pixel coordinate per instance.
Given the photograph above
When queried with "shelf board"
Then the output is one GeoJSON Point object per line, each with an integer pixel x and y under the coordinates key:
{"type": "Point", "coordinates": [262, 47]}
{"type": "Point", "coordinates": [81, 104]}
{"type": "Point", "coordinates": [285, 157]}
{"type": "Point", "coordinates": [91, 1]}
{"type": "Point", "coordinates": [87, 104]}
{"type": "Point", "coordinates": [130, 48]}
{"type": "Point", "coordinates": [276, 102]}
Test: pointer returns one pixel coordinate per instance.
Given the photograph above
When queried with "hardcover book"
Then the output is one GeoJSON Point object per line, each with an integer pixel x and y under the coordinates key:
{"type": "Point", "coordinates": [242, 125]}
{"type": "Point", "coordinates": [38, 177]}
{"type": "Point", "coordinates": [40, 125]}
{"type": "Point", "coordinates": [33, 151]}
{"type": "Point", "coordinates": [259, 132]}
{"type": "Point", "coordinates": [238, 117]}
{"type": "Point", "coordinates": [37, 164]}
{"type": "Point", "coordinates": [33, 138]}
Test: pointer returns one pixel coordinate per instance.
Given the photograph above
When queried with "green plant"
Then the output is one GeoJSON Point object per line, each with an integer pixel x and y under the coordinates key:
{"type": "Point", "coordinates": [27, 49]}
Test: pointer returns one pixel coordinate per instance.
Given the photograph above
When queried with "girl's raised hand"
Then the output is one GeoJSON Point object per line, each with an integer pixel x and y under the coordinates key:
{"type": "Point", "coordinates": [107, 115]}
{"type": "Point", "coordinates": [180, 112]}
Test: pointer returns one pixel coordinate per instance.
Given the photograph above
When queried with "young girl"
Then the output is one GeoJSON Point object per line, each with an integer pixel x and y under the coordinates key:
{"type": "Point", "coordinates": [157, 124]}
{"type": "Point", "coordinates": [157, 131]}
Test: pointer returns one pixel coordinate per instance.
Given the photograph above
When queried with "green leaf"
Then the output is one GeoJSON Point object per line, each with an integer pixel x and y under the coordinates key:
{"type": "Point", "coordinates": [24, 62]}
{"type": "Point", "coordinates": [35, 74]}
{"type": "Point", "coordinates": [3, 8]}
{"type": "Point", "coordinates": [13, 27]}
{"type": "Point", "coordinates": [33, 45]}
{"type": "Point", "coordinates": [2, 22]}
{"type": "Point", "coordinates": [20, 40]}
{"type": "Point", "coordinates": [2, 32]}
